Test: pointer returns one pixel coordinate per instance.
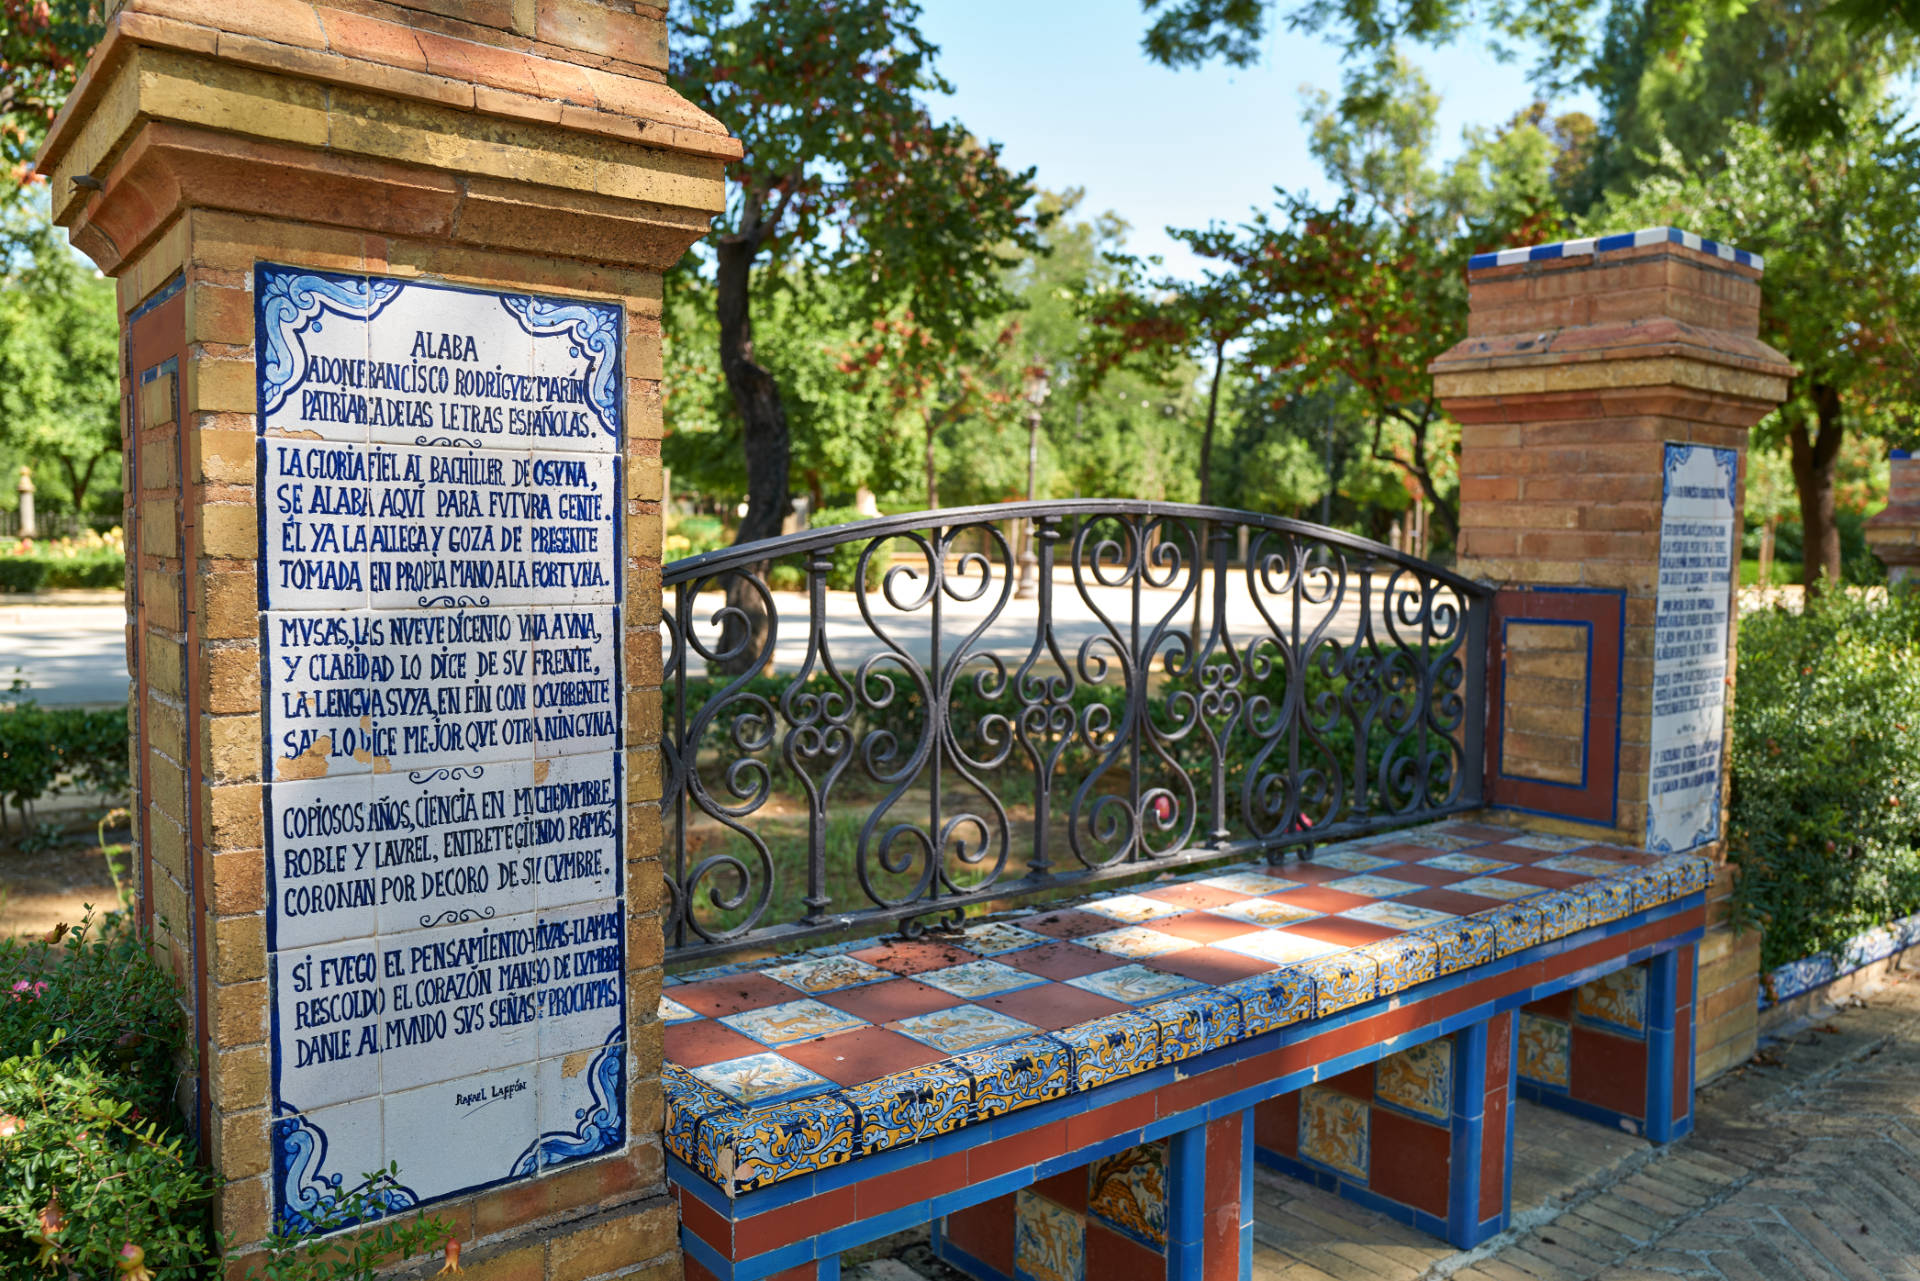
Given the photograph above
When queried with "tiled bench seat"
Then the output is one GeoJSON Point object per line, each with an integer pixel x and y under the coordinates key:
{"type": "Point", "coordinates": [823, 1100]}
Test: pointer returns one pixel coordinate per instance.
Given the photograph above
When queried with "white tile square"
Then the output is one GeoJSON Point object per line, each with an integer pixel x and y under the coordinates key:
{"type": "Point", "coordinates": [330, 1007]}
{"type": "Point", "coordinates": [1133, 908]}
{"type": "Point", "coordinates": [468, 1001]}
{"type": "Point", "coordinates": [313, 515]}
{"type": "Point", "coordinates": [582, 1104]}
{"type": "Point", "coordinates": [349, 1141]}
{"type": "Point", "coordinates": [575, 704]}
{"type": "Point", "coordinates": [449, 528]}
{"type": "Point", "coordinates": [1281, 947]}
{"type": "Point", "coordinates": [316, 692]}
{"type": "Point", "coordinates": [578, 346]}
{"type": "Point", "coordinates": [451, 685]}
{"type": "Point", "coordinates": [573, 519]}
{"type": "Point", "coordinates": [584, 999]}
{"type": "Point", "coordinates": [322, 861]}
{"type": "Point", "coordinates": [446, 834]}
{"type": "Point", "coordinates": [577, 806]}
{"type": "Point", "coordinates": [465, 1132]}
{"type": "Point", "coordinates": [451, 347]}
{"type": "Point", "coordinates": [312, 353]}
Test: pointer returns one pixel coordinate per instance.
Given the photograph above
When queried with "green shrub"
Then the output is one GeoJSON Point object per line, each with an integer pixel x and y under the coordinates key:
{"type": "Point", "coordinates": [45, 750]}
{"type": "Point", "coordinates": [1825, 806]}
{"type": "Point", "coordinates": [23, 573]}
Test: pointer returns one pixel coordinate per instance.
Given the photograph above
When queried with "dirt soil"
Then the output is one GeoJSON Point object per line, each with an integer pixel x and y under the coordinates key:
{"type": "Point", "coordinates": [40, 890]}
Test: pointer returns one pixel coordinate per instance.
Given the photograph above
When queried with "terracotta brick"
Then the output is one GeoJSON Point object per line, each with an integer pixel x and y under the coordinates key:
{"type": "Point", "coordinates": [599, 1246]}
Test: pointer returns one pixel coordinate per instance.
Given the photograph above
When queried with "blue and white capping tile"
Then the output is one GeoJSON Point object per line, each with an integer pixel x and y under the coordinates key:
{"type": "Point", "coordinates": [1562, 912]}
{"type": "Point", "coordinates": [1111, 1047]}
{"type": "Point", "coordinates": [1273, 1000]}
{"type": "Point", "coordinates": [1464, 943]}
{"type": "Point", "coordinates": [1516, 927]}
{"type": "Point", "coordinates": [1017, 1074]}
{"type": "Point", "coordinates": [1652, 886]}
{"type": "Point", "coordinates": [1342, 980]}
{"type": "Point", "coordinates": [1607, 900]}
{"type": "Point", "coordinates": [1797, 978]}
{"type": "Point", "coordinates": [1607, 244]}
{"type": "Point", "coordinates": [909, 1106]}
{"type": "Point", "coordinates": [1402, 962]}
{"type": "Point", "coordinates": [1195, 1023]}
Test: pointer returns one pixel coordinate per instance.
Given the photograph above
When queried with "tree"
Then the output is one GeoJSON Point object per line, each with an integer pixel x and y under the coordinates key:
{"type": "Point", "coordinates": [844, 171]}
{"type": "Point", "coordinates": [59, 364]}
{"type": "Point", "coordinates": [1838, 222]}
{"type": "Point", "coordinates": [43, 46]}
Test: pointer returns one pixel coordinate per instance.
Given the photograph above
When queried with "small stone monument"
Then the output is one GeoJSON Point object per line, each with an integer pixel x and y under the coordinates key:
{"type": "Point", "coordinates": [1894, 532]}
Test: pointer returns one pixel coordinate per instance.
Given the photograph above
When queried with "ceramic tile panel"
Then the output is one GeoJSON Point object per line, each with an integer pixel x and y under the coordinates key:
{"type": "Point", "coordinates": [1402, 962]}
{"type": "Point", "coordinates": [461, 1134]}
{"type": "Point", "coordinates": [1471, 864]}
{"type": "Point", "coordinates": [573, 806]}
{"type": "Point", "coordinates": [1545, 1045]}
{"type": "Point", "coordinates": [1562, 912]}
{"type": "Point", "coordinates": [1049, 1241]}
{"type": "Point", "coordinates": [1333, 1130]}
{"type": "Point", "coordinates": [1399, 916]}
{"type": "Point", "coordinates": [1195, 1023]}
{"type": "Point", "coordinates": [1014, 1075]}
{"type": "Point", "coordinates": [1134, 984]}
{"type": "Point", "coordinates": [756, 1079]}
{"type": "Point", "coordinates": [1496, 887]}
{"type": "Point", "coordinates": [1516, 927]}
{"type": "Point", "coordinates": [1583, 864]}
{"type": "Point", "coordinates": [1113, 1046]}
{"type": "Point", "coordinates": [1652, 886]}
{"type": "Point", "coordinates": [1688, 873]}
{"type": "Point", "coordinates": [1461, 943]}
{"type": "Point", "coordinates": [312, 328]}
{"type": "Point", "coordinates": [909, 1106]}
{"type": "Point", "coordinates": [1135, 941]}
{"type": "Point", "coordinates": [1127, 1191]}
{"type": "Point", "coordinates": [1273, 1000]}
{"type": "Point", "coordinates": [316, 689]}
{"type": "Point", "coordinates": [1341, 981]}
{"type": "Point", "coordinates": [1279, 947]}
{"type": "Point", "coordinates": [1419, 1080]}
{"type": "Point", "coordinates": [1546, 841]}
{"type": "Point", "coordinates": [964, 1027]}
{"type": "Point", "coordinates": [574, 670]}
{"type": "Point", "coordinates": [687, 1100]}
{"type": "Point", "coordinates": [321, 863]}
{"type": "Point", "coordinates": [321, 1157]}
{"type": "Point", "coordinates": [1249, 883]}
{"type": "Point", "coordinates": [671, 1011]}
{"type": "Point", "coordinates": [995, 937]}
{"type": "Point", "coordinates": [977, 979]}
{"type": "Point", "coordinates": [791, 1021]}
{"type": "Point", "coordinates": [817, 974]}
{"type": "Point", "coordinates": [1131, 908]}
{"type": "Point", "coordinates": [1351, 860]}
{"type": "Point", "coordinates": [1607, 900]}
{"type": "Point", "coordinates": [1372, 886]}
{"type": "Point", "coordinates": [582, 1002]}
{"type": "Point", "coordinates": [1430, 839]}
{"type": "Point", "coordinates": [314, 525]}
{"type": "Point", "coordinates": [329, 1007]}
{"type": "Point", "coordinates": [1618, 1000]}
{"type": "Point", "coordinates": [582, 1106]}
{"type": "Point", "coordinates": [794, 1137]}
{"type": "Point", "coordinates": [1265, 912]}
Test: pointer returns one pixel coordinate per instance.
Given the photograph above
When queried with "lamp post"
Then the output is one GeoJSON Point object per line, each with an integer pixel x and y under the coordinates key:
{"type": "Point", "coordinates": [1038, 388]}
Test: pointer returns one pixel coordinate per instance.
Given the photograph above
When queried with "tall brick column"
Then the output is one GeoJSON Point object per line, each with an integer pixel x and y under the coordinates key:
{"type": "Point", "coordinates": [525, 146]}
{"type": "Point", "coordinates": [1583, 363]}
{"type": "Point", "coordinates": [1894, 532]}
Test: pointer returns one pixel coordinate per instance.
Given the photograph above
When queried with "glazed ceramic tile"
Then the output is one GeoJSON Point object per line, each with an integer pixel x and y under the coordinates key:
{"type": "Point", "coordinates": [450, 528]}
{"type": "Point", "coordinates": [1017, 1074]}
{"type": "Point", "coordinates": [1687, 873]}
{"type": "Point", "coordinates": [827, 973]}
{"type": "Point", "coordinates": [1402, 962]}
{"type": "Point", "coordinates": [1137, 942]}
{"type": "Point", "coordinates": [1273, 1000]}
{"type": "Point", "coordinates": [571, 527]}
{"type": "Point", "coordinates": [577, 374]}
{"type": "Point", "coordinates": [671, 1011]}
{"type": "Point", "coordinates": [314, 526]}
{"type": "Point", "coordinates": [332, 1005]}
{"type": "Point", "coordinates": [322, 875]}
{"type": "Point", "coordinates": [1399, 916]}
{"type": "Point", "coordinates": [316, 672]}
{"type": "Point", "coordinates": [1249, 883]}
{"type": "Point", "coordinates": [1419, 1080]}
{"type": "Point", "coordinates": [465, 1133]}
{"type": "Point", "coordinates": [574, 675]}
{"type": "Point", "coordinates": [1516, 926]}
{"type": "Point", "coordinates": [1350, 860]}
{"type": "Point", "coordinates": [753, 1149]}
{"type": "Point", "coordinates": [1472, 864]}
{"type": "Point", "coordinates": [687, 1100]}
{"type": "Point", "coordinates": [1132, 908]}
{"type": "Point", "coordinates": [1113, 1046]}
{"type": "Point", "coordinates": [1429, 839]}
{"type": "Point", "coordinates": [577, 803]}
{"type": "Point", "coordinates": [1652, 886]}
{"type": "Point", "coordinates": [1265, 911]}
{"type": "Point", "coordinates": [1496, 887]}
{"type": "Point", "coordinates": [1544, 1047]}
{"type": "Point", "coordinates": [964, 1027]}
{"type": "Point", "coordinates": [1372, 886]}
{"type": "Point", "coordinates": [996, 937]}
{"type": "Point", "coordinates": [582, 1106]}
{"type": "Point", "coordinates": [440, 849]}
{"type": "Point", "coordinates": [792, 1021]}
{"type": "Point", "coordinates": [977, 979]}
{"type": "Point", "coordinates": [909, 1106]}
{"type": "Point", "coordinates": [1049, 1242]}
{"type": "Point", "coordinates": [1195, 1023]}
{"type": "Point", "coordinates": [1542, 841]}
{"type": "Point", "coordinates": [313, 350]}
{"type": "Point", "coordinates": [1584, 865]}
{"type": "Point", "coordinates": [1134, 984]}
{"type": "Point", "coordinates": [320, 1156]}
{"type": "Point", "coordinates": [1562, 912]}
{"type": "Point", "coordinates": [1618, 999]}
{"type": "Point", "coordinates": [1607, 900]}
{"type": "Point", "coordinates": [1341, 981]}
{"type": "Point", "coordinates": [760, 1078]}
{"type": "Point", "coordinates": [582, 1003]}
{"type": "Point", "coordinates": [1279, 947]}
{"type": "Point", "coordinates": [451, 688]}
{"type": "Point", "coordinates": [1461, 943]}
{"type": "Point", "coordinates": [1128, 1191]}
{"type": "Point", "coordinates": [438, 342]}
{"type": "Point", "coordinates": [1333, 1130]}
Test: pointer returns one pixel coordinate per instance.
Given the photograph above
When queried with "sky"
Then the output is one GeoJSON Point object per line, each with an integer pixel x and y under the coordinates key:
{"type": "Point", "coordinates": [1063, 86]}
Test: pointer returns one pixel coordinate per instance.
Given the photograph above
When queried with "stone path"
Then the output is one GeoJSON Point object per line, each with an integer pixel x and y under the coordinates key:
{"type": "Point", "coordinates": [1805, 1162]}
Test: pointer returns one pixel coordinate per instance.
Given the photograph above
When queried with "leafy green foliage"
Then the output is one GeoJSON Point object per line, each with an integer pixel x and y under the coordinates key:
{"type": "Point", "coordinates": [1825, 806]}
{"type": "Point", "coordinates": [43, 45]}
{"type": "Point", "coordinates": [314, 1255]}
{"type": "Point", "coordinates": [44, 751]}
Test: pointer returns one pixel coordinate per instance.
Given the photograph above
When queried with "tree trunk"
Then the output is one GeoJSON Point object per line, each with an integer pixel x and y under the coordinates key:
{"type": "Point", "coordinates": [1815, 460]}
{"type": "Point", "coordinates": [764, 439]}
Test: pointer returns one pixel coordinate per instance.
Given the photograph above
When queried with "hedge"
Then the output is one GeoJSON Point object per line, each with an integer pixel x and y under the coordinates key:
{"type": "Point", "coordinates": [44, 750]}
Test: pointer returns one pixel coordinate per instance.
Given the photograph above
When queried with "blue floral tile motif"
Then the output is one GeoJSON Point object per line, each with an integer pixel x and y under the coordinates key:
{"type": "Point", "coordinates": [977, 979]}
{"type": "Point", "coordinates": [1134, 984]}
{"type": "Point", "coordinates": [1251, 883]}
{"type": "Point", "coordinates": [1461, 944]}
{"type": "Point", "coordinates": [687, 1100]}
{"type": "Point", "coordinates": [1278, 947]}
{"type": "Point", "coordinates": [753, 1149]}
{"type": "Point", "coordinates": [1419, 1080]}
{"type": "Point", "coordinates": [671, 1011]}
{"type": "Point", "coordinates": [964, 1027]}
{"type": "Point", "coordinates": [1333, 1130]}
{"type": "Point", "coordinates": [1341, 981]}
{"type": "Point", "coordinates": [761, 1078]}
{"type": "Point", "coordinates": [792, 1021]}
{"type": "Point", "coordinates": [909, 1106]}
{"type": "Point", "coordinates": [1268, 1001]}
{"type": "Point", "coordinates": [1049, 1241]}
{"type": "Point", "coordinates": [1689, 873]}
{"type": "Point", "coordinates": [1134, 909]}
{"type": "Point", "coordinates": [1127, 1191]}
{"type": "Point", "coordinates": [1012, 1076]}
{"type": "Point", "coordinates": [1372, 886]}
{"type": "Point", "coordinates": [1471, 864]}
{"type": "Point", "coordinates": [1396, 915]}
{"type": "Point", "coordinates": [1195, 1023]}
{"type": "Point", "coordinates": [1113, 1046]}
{"type": "Point", "coordinates": [1545, 1046]}
{"type": "Point", "coordinates": [1562, 912]}
{"type": "Point", "coordinates": [1584, 865]}
{"type": "Point", "coordinates": [1429, 838]}
{"type": "Point", "coordinates": [1137, 942]}
{"type": "Point", "coordinates": [1267, 912]}
{"type": "Point", "coordinates": [1496, 887]}
{"type": "Point", "coordinates": [827, 973]}
{"type": "Point", "coordinates": [1652, 886]}
{"type": "Point", "coordinates": [1516, 927]}
{"type": "Point", "coordinates": [1617, 1000]}
{"type": "Point", "coordinates": [1544, 841]}
{"type": "Point", "coordinates": [994, 937]}
{"type": "Point", "coordinates": [1351, 860]}
{"type": "Point", "coordinates": [1402, 962]}
{"type": "Point", "coordinates": [1607, 900]}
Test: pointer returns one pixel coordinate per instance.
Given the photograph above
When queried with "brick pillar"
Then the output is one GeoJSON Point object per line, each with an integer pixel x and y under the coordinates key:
{"type": "Point", "coordinates": [1894, 532]}
{"type": "Point", "coordinates": [1583, 363]}
{"type": "Point", "coordinates": [507, 179]}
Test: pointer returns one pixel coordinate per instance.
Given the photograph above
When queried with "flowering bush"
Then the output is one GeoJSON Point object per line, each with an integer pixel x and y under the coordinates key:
{"type": "Point", "coordinates": [93, 559]}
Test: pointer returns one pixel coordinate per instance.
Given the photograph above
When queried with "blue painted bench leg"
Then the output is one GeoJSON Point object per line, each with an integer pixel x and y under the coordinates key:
{"type": "Point", "coordinates": [1480, 1161]}
{"type": "Point", "coordinates": [1210, 1200]}
{"type": "Point", "coordinates": [1670, 988]}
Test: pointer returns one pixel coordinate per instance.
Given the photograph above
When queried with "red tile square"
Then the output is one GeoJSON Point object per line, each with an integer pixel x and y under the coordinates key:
{"type": "Point", "coordinates": [922, 1182]}
{"type": "Point", "coordinates": [1409, 1161]}
{"type": "Point", "coordinates": [1052, 1005]}
{"type": "Point", "coordinates": [1422, 875]}
{"type": "Point", "coordinates": [866, 1054]}
{"type": "Point", "coordinates": [1069, 923]}
{"type": "Point", "coordinates": [1111, 1256]}
{"type": "Point", "coordinates": [894, 999]}
{"type": "Point", "coordinates": [1610, 1071]}
{"type": "Point", "coordinates": [698, 1043]}
{"type": "Point", "coordinates": [1022, 1148]}
{"type": "Point", "coordinates": [1068, 1188]}
{"type": "Point", "coordinates": [1060, 961]}
{"type": "Point", "coordinates": [1309, 873]}
{"type": "Point", "coordinates": [1513, 853]}
{"type": "Point", "coordinates": [732, 994]}
{"type": "Point", "coordinates": [915, 956]}
{"type": "Point", "coordinates": [1405, 853]}
{"type": "Point", "coordinates": [1193, 895]}
{"type": "Point", "coordinates": [1450, 901]}
{"type": "Point", "coordinates": [1355, 1083]}
{"type": "Point", "coordinates": [1558, 1006]}
{"type": "Point", "coordinates": [1338, 929]}
{"type": "Point", "coordinates": [1276, 1124]}
{"type": "Point", "coordinates": [985, 1231]}
{"type": "Point", "coordinates": [1320, 899]}
{"type": "Point", "coordinates": [1202, 927]}
{"type": "Point", "coordinates": [1209, 965]}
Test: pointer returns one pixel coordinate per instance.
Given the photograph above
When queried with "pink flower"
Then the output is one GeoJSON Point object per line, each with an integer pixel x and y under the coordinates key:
{"type": "Point", "coordinates": [25, 991]}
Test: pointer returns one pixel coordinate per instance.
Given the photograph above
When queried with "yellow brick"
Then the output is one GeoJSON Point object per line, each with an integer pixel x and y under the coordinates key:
{"type": "Point", "coordinates": [241, 1210]}
{"type": "Point", "coordinates": [240, 1144]}
{"type": "Point", "coordinates": [240, 949]}
{"type": "Point", "coordinates": [220, 386]}
{"type": "Point", "coordinates": [223, 451]}
{"type": "Point", "coordinates": [239, 1078]}
{"type": "Point", "coordinates": [232, 99]}
{"type": "Point", "coordinates": [230, 531]}
{"type": "Point", "coordinates": [600, 1246]}
{"type": "Point", "coordinates": [233, 752]}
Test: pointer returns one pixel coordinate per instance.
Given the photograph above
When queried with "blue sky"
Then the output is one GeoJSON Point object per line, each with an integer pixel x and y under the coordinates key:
{"type": "Point", "coordinates": [1062, 84]}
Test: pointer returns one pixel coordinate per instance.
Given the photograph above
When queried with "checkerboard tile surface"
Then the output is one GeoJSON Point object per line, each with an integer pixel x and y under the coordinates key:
{"type": "Point", "coordinates": [820, 1035]}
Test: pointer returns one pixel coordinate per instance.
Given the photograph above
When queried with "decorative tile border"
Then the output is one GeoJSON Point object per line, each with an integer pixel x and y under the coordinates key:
{"type": "Point", "coordinates": [1608, 244]}
{"type": "Point", "coordinates": [1797, 978]}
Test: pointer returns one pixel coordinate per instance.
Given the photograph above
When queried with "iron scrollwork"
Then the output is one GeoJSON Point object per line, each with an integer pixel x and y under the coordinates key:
{"type": "Point", "coordinates": [1190, 684]}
